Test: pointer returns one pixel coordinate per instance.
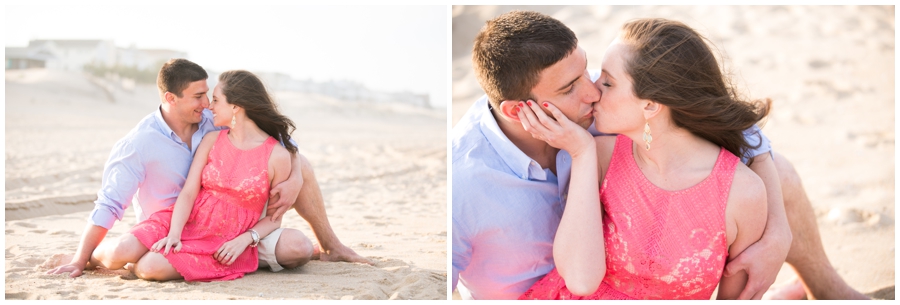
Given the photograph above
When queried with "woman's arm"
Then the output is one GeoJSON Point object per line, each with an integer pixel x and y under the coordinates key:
{"type": "Point", "coordinates": [185, 201]}
{"type": "Point", "coordinates": [745, 220]}
{"type": "Point", "coordinates": [279, 171]}
{"type": "Point", "coordinates": [578, 248]}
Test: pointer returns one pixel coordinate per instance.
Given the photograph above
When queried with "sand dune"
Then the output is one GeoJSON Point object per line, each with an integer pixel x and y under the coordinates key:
{"type": "Point", "coordinates": [830, 73]}
{"type": "Point", "coordinates": [381, 167]}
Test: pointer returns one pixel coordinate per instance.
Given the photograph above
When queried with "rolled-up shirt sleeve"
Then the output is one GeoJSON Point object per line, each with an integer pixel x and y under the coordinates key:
{"type": "Point", "coordinates": [122, 175]}
{"type": "Point", "coordinates": [759, 143]}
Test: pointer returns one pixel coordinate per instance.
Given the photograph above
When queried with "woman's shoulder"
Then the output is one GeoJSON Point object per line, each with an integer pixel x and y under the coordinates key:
{"type": "Point", "coordinates": [211, 135]}
{"type": "Point", "coordinates": [746, 209]}
{"type": "Point", "coordinates": [209, 139]}
{"type": "Point", "coordinates": [279, 156]}
{"type": "Point", "coordinates": [747, 189]}
{"type": "Point", "coordinates": [605, 146]}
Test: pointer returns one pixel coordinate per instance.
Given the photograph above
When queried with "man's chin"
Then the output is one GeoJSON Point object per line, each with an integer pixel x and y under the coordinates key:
{"type": "Point", "coordinates": [586, 124]}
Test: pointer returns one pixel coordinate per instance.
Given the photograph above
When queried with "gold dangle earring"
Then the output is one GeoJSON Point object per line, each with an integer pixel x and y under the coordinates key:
{"type": "Point", "coordinates": [647, 137]}
{"type": "Point", "coordinates": [232, 120]}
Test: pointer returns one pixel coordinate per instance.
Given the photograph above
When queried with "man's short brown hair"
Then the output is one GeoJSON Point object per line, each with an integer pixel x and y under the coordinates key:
{"type": "Point", "coordinates": [177, 74]}
{"type": "Point", "coordinates": [511, 51]}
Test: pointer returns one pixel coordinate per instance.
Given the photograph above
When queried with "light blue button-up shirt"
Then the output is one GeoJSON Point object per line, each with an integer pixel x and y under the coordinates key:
{"type": "Point", "coordinates": [506, 209]}
{"type": "Point", "coordinates": [149, 165]}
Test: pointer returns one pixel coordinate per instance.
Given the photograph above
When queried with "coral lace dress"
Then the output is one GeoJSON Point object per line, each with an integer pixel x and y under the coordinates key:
{"type": "Point", "coordinates": [234, 187]}
{"type": "Point", "coordinates": [659, 244]}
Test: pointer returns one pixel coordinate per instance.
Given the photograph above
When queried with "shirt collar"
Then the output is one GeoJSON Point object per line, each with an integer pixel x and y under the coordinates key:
{"type": "Point", "coordinates": [163, 127]}
{"type": "Point", "coordinates": [523, 166]}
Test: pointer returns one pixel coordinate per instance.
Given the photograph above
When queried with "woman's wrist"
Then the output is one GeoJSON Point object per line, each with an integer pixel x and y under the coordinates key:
{"type": "Point", "coordinates": [246, 238]}
{"type": "Point", "coordinates": [584, 148]}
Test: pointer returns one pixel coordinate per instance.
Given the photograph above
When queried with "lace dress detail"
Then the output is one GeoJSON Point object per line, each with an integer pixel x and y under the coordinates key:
{"type": "Point", "coordinates": [659, 244]}
{"type": "Point", "coordinates": [234, 187]}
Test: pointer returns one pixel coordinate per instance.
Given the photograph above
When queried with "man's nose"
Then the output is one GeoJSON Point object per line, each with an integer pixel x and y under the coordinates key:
{"type": "Point", "coordinates": [205, 102]}
{"type": "Point", "coordinates": [593, 95]}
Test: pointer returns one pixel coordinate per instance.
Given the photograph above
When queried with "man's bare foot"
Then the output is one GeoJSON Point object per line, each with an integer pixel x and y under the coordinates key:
{"type": "Point", "coordinates": [790, 291]}
{"type": "Point", "coordinates": [342, 254]}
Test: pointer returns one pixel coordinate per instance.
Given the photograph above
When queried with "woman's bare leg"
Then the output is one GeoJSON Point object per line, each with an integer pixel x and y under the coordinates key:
{"type": "Point", "coordinates": [114, 254]}
{"type": "Point", "coordinates": [153, 266]}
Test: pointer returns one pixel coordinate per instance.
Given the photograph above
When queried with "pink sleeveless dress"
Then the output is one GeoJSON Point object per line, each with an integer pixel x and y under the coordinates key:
{"type": "Point", "coordinates": [234, 187]}
{"type": "Point", "coordinates": [659, 244]}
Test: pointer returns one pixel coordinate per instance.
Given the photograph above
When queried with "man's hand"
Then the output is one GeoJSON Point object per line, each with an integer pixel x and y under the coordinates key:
{"type": "Point", "coordinates": [762, 261]}
{"type": "Point", "coordinates": [283, 195]}
{"type": "Point", "coordinates": [73, 269]}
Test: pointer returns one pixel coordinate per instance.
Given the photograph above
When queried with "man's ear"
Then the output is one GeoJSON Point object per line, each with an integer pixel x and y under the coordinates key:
{"type": "Point", "coordinates": [652, 109]}
{"type": "Point", "coordinates": [169, 97]}
{"type": "Point", "coordinates": [510, 110]}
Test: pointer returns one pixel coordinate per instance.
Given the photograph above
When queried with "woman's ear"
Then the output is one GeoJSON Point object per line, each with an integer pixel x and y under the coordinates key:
{"type": "Point", "coordinates": [651, 109]}
{"type": "Point", "coordinates": [510, 110]}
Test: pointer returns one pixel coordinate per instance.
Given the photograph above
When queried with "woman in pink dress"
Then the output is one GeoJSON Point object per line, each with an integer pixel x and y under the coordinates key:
{"type": "Point", "coordinates": [674, 201]}
{"type": "Point", "coordinates": [212, 230]}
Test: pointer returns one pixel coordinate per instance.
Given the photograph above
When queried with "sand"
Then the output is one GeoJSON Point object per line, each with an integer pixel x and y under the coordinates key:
{"type": "Point", "coordinates": [382, 170]}
{"type": "Point", "coordinates": [830, 73]}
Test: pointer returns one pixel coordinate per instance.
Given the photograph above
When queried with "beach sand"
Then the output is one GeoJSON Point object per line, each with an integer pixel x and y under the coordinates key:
{"type": "Point", "coordinates": [830, 74]}
{"type": "Point", "coordinates": [381, 167]}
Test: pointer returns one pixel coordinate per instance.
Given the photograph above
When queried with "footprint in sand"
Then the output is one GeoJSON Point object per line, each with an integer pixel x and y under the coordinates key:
{"type": "Point", "coordinates": [18, 296]}
{"type": "Point", "coordinates": [56, 260]}
{"type": "Point", "coordinates": [25, 224]}
{"type": "Point", "coordinates": [847, 216]}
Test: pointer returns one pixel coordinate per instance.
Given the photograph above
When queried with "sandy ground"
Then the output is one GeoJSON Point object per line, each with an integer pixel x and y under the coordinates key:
{"type": "Point", "coordinates": [382, 170]}
{"type": "Point", "coordinates": [830, 73]}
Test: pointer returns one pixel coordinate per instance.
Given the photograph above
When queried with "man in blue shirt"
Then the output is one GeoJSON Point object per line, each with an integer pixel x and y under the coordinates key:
{"type": "Point", "coordinates": [150, 164]}
{"type": "Point", "coordinates": [509, 189]}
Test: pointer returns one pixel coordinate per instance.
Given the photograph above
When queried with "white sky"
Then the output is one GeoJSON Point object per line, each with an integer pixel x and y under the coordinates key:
{"type": "Point", "coordinates": [386, 48]}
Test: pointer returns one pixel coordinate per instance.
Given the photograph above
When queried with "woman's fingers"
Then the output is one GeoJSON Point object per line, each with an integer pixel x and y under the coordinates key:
{"type": "Point", "coordinates": [157, 245]}
{"type": "Point", "coordinates": [219, 255]}
{"type": "Point", "coordinates": [557, 114]}
{"type": "Point", "coordinates": [542, 117]}
{"type": "Point", "coordinates": [530, 121]}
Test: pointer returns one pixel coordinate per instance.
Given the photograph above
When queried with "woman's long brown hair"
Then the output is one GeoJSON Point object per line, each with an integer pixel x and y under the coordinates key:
{"type": "Point", "coordinates": [245, 89]}
{"type": "Point", "coordinates": [671, 64]}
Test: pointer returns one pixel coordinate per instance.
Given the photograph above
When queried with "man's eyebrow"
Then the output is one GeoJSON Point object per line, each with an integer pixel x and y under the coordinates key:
{"type": "Point", "coordinates": [568, 84]}
{"type": "Point", "coordinates": [576, 79]}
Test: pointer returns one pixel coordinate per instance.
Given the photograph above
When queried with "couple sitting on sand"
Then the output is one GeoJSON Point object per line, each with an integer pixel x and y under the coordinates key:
{"type": "Point", "coordinates": [201, 173]}
{"type": "Point", "coordinates": [677, 193]}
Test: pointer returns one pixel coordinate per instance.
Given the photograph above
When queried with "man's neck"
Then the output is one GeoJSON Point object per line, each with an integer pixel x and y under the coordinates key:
{"type": "Point", "coordinates": [540, 151]}
{"type": "Point", "coordinates": [183, 130]}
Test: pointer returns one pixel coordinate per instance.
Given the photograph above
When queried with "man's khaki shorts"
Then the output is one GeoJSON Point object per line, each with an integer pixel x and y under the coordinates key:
{"type": "Point", "coordinates": [267, 251]}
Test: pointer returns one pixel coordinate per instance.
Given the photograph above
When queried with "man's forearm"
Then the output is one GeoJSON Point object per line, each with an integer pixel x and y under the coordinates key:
{"type": "Point", "coordinates": [296, 176]}
{"type": "Point", "coordinates": [91, 237]}
{"type": "Point", "coordinates": [777, 228]}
